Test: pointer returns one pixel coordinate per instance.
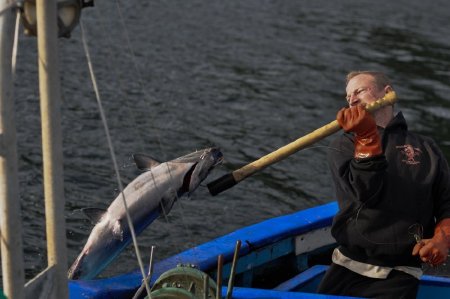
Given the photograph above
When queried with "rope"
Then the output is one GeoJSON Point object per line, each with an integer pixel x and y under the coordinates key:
{"type": "Point", "coordinates": [136, 69]}
{"type": "Point", "coordinates": [113, 157]}
{"type": "Point", "coordinates": [147, 97]}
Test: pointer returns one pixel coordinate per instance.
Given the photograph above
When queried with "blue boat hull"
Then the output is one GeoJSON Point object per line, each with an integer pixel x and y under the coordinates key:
{"type": "Point", "coordinates": [295, 248]}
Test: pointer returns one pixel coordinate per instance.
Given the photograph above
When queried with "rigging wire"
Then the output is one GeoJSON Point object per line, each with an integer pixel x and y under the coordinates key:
{"type": "Point", "coordinates": [113, 156]}
{"type": "Point", "coordinates": [136, 69]}
{"type": "Point", "coordinates": [132, 123]}
{"type": "Point", "coordinates": [148, 98]}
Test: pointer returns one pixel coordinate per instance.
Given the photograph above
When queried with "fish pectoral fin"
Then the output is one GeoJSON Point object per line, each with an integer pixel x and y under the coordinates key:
{"type": "Point", "coordinates": [118, 230]}
{"type": "Point", "coordinates": [167, 202]}
{"type": "Point", "coordinates": [145, 162]}
{"type": "Point", "coordinates": [94, 214]}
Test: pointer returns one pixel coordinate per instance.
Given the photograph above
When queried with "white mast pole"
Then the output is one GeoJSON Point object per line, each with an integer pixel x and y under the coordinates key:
{"type": "Point", "coordinates": [10, 216]}
{"type": "Point", "coordinates": [49, 86]}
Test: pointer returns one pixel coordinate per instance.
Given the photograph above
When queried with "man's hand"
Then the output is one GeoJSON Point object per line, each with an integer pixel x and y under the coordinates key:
{"type": "Point", "coordinates": [357, 120]}
{"type": "Point", "coordinates": [434, 251]}
{"type": "Point", "coordinates": [431, 252]}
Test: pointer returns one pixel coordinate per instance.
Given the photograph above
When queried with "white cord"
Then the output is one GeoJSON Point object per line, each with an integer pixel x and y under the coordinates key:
{"type": "Point", "coordinates": [15, 45]}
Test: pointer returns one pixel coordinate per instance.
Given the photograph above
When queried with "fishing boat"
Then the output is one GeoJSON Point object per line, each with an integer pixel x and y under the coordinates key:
{"type": "Point", "coordinates": [280, 258]}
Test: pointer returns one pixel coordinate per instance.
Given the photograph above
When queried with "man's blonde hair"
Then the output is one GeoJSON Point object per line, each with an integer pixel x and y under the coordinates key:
{"type": "Point", "coordinates": [381, 80]}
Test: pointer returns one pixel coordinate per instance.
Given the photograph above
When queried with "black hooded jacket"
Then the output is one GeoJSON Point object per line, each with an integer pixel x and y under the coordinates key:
{"type": "Point", "coordinates": [385, 200]}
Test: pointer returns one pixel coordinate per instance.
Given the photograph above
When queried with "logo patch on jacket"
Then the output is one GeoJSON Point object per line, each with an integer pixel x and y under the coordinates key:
{"type": "Point", "coordinates": [410, 153]}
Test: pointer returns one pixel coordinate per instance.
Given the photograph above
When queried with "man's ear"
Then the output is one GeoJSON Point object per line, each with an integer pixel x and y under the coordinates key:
{"type": "Point", "coordinates": [388, 89]}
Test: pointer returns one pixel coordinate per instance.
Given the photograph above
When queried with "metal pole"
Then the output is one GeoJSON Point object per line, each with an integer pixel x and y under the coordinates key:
{"type": "Point", "coordinates": [11, 227]}
{"type": "Point", "coordinates": [219, 276]}
{"type": "Point", "coordinates": [49, 87]}
{"type": "Point", "coordinates": [233, 270]}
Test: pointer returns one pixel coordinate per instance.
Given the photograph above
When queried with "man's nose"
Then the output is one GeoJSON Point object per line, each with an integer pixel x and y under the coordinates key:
{"type": "Point", "coordinates": [353, 100]}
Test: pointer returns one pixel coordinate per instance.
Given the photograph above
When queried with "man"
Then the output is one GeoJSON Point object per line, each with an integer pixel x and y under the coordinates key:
{"type": "Point", "coordinates": [393, 190]}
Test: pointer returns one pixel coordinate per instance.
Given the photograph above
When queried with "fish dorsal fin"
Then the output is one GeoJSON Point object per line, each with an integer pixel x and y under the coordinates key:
{"type": "Point", "coordinates": [145, 162]}
{"type": "Point", "coordinates": [94, 214]}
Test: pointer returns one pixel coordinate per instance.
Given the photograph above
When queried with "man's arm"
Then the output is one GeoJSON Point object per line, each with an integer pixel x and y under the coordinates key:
{"type": "Point", "coordinates": [356, 162]}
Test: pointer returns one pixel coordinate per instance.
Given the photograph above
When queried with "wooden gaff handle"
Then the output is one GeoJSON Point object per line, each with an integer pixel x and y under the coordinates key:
{"type": "Point", "coordinates": [231, 179]}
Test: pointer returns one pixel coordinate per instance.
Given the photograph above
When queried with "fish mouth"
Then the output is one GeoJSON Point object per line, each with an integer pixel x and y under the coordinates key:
{"type": "Point", "coordinates": [208, 159]}
{"type": "Point", "coordinates": [187, 179]}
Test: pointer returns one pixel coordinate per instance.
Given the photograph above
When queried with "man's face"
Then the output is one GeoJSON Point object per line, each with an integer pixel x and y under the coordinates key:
{"type": "Point", "coordinates": [362, 90]}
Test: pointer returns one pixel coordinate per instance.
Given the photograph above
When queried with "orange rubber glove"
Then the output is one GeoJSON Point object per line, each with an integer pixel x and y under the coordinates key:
{"type": "Point", "coordinates": [434, 251]}
{"type": "Point", "coordinates": [367, 140]}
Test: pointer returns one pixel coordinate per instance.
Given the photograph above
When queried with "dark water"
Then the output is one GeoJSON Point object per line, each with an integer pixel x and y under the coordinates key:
{"type": "Point", "coordinates": [248, 76]}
